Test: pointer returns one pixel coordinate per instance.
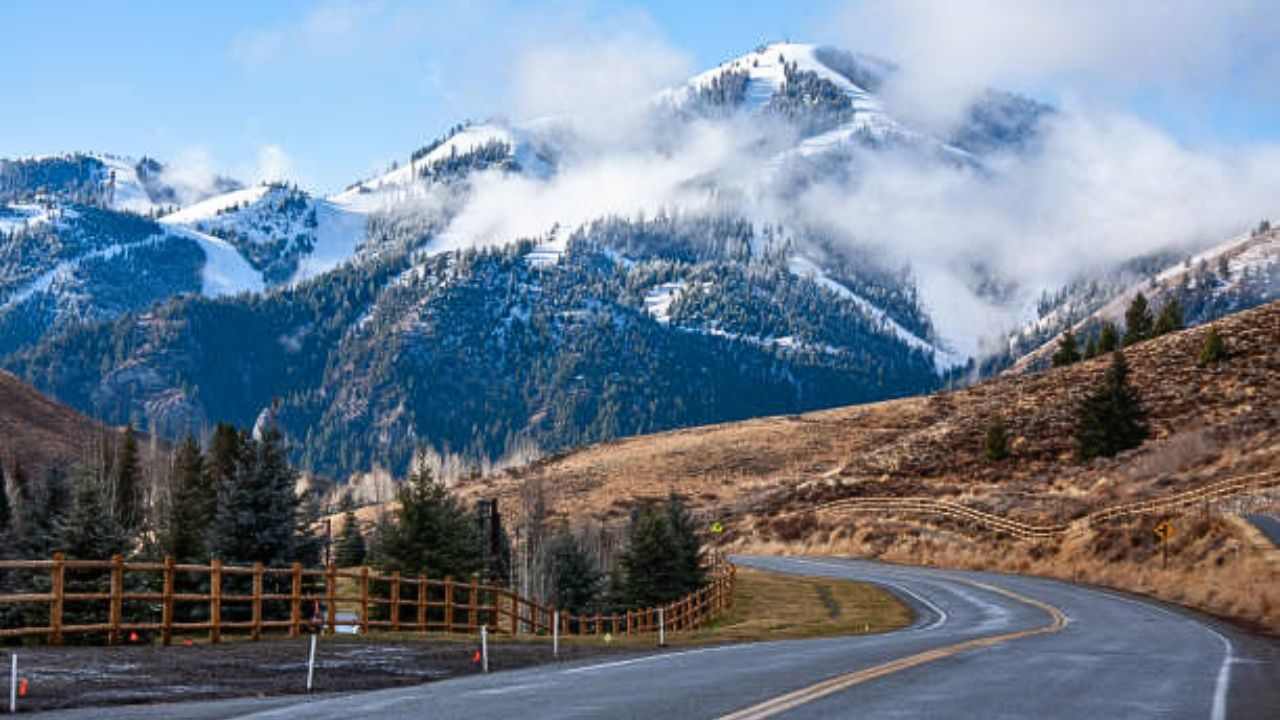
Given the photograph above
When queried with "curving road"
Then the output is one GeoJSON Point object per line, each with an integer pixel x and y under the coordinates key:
{"type": "Point", "coordinates": [983, 646]}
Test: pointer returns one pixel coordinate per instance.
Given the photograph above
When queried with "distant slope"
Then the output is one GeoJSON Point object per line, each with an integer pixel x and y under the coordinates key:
{"type": "Point", "coordinates": [1237, 274]}
{"type": "Point", "coordinates": [1208, 423]}
{"type": "Point", "coordinates": [37, 431]}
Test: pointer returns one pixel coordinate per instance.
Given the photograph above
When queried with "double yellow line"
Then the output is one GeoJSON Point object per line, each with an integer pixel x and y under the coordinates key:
{"type": "Point", "coordinates": [830, 686]}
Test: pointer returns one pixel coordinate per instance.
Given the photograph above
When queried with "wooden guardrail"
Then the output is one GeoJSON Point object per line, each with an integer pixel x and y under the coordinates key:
{"type": "Point", "coordinates": [1028, 531]}
{"type": "Point", "coordinates": [145, 597]}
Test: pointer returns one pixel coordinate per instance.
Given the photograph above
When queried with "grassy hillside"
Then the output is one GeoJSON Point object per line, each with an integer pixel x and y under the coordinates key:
{"type": "Point", "coordinates": [759, 477]}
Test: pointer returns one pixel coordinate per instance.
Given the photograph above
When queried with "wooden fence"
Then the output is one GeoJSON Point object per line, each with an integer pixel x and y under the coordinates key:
{"type": "Point", "coordinates": [147, 597]}
{"type": "Point", "coordinates": [1027, 531]}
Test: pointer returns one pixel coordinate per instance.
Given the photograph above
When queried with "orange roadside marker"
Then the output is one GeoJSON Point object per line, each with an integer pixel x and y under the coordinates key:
{"type": "Point", "coordinates": [23, 687]}
{"type": "Point", "coordinates": [476, 658]}
{"type": "Point", "coordinates": [133, 636]}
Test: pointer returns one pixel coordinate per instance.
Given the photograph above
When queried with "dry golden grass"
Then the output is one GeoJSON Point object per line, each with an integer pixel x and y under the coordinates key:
{"type": "Point", "coordinates": [775, 606]}
{"type": "Point", "coordinates": [1215, 564]}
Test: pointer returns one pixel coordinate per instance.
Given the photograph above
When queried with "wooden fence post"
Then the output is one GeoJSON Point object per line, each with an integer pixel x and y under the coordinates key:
{"type": "Point", "coordinates": [117, 599]}
{"type": "Point", "coordinates": [448, 604]}
{"type": "Point", "coordinates": [422, 603]}
{"type": "Point", "coordinates": [57, 590]}
{"type": "Point", "coordinates": [256, 632]}
{"type": "Point", "coordinates": [395, 601]}
{"type": "Point", "coordinates": [166, 612]}
{"type": "Point", "coordinates": [215, 601]}
{"type": "Point", "coordinates": [331, 597]}
{"type": "Point", "coordinates": [295, 602]}
{"type": "Point", "coordinates": [364, 600]}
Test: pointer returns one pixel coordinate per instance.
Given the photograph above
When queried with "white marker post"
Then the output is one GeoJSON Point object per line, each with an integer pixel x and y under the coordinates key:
{"type": "Point", "coordinates": [555, 635]}
{"type": "Point", "coordinates": [13, 683]}
{"type": "Point", "coordinates": [311, 664]}
{"type": "Point", "coordinates": [484, 648]}
{"type": "Point", "coordinates": [662, 628]}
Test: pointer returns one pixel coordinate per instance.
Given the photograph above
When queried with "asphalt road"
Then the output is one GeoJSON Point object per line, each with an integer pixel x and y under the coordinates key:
{"type": "Point", "coordinates": [1269, 525]}
{"type": "Point", "coordinates": [1095, 654]}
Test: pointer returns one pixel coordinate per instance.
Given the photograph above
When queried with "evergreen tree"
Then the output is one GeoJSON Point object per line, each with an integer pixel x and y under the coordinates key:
{"type": "Point", "coordinates": [431, 532]}
{"type": "Point", "coordinates": [648, 566]}
{"type": "Point", "coordinates": [194, 505]}
{"type": "Point", "coordinates": [1170, 318]}
{"type": "Point", "coordinates": [1068, 352]}
{"type": "Point", "coordinates": [1214, 349]}
{"type": "Point", "coordinates": [223, 456]}
{"type": "Point", "coordinates": [1137, 320]}
{"type": "Point", "coordinates": [1091, 349]}
{"type": "Point", "coordinates": [128, 482]}
{"type": "Point", "coordinates": [257, 516]}
{"type": "Point", "coordinates": [575, 580]}
{"type": "Point", "coordinates": [351, 545]}
{"type": "Point", "coordinates": [6, 514]}
{"type": "Point", "coordinates": [1111, 418]}
{"type": "Point", "coordinates": [89, 530]}
{"type": "Point", "coordinates": [686, 546]}
{"type": "Point", "coordinates": [1108, 338]}
{"type": "Point", "coordinates": [996, 446]}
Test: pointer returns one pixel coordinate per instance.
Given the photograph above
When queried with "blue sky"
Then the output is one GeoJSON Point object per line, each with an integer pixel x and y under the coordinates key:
{"type": "Point", "coordinates": [337, 89]}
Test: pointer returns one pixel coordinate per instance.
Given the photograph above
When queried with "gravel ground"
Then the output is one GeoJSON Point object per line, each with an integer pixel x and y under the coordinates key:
{"type": "Point", "coordinates": [96, 676]}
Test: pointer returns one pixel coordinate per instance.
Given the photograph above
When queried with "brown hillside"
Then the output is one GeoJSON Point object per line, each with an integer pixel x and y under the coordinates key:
{"type": "Point", "coordinates": [38, 431]}
{"type": "Point", "coordinates": [1208, 424]}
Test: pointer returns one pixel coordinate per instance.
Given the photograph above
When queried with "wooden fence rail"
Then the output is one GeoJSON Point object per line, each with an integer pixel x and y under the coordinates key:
{"type": "Point", "coordinates": [1027, 531]}
{"type": "Point", "coordinates": [114, 599]}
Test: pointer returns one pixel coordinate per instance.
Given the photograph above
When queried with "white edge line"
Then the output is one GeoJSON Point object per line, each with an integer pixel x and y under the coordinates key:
{"type": "Point", "coordinates": [1223, 681]}
{"type": "Point", "coordinates": [647, 658]}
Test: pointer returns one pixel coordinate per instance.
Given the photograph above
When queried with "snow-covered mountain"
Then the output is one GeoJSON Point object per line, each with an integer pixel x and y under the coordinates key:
{"type": "Point", "coordinates": [518, 282]}
{"type": "Point", "coordinates": [1237, 274]}
{"type": "Point", "coordinates": [144, 186]}
{"type": "Point", "coordinates": [285, 234]}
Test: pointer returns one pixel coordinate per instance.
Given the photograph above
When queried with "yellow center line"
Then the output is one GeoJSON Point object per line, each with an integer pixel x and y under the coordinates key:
{"type": "Point", "coordinates": [791, 700]}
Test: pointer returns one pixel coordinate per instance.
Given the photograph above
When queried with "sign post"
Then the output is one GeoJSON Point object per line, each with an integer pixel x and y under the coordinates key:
{"type": "Point", "coordinates": [13, 683]}
{"type": "Point", "coordinates": [1164, 531]}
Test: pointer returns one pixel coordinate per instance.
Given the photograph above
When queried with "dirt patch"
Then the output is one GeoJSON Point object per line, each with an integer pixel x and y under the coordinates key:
{"type": "Point", "coordinates": [97, 676]}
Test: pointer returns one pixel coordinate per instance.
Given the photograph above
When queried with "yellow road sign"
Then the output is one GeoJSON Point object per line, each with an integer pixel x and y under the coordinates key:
{"type": "Point", "coordinates": [1164, 530]}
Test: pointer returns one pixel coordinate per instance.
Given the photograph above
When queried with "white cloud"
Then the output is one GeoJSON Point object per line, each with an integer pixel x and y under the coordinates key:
{"type": "Point", "coordinates": [274, 165]}
{"type": "Point", "coordinates": [602, 82]}
{"type": "Point", "coordinates": [334, 28]}
{"type": "Point", "coordinates": [950, 50]}
{"type": "Point", "coordinates": [1105, 187]}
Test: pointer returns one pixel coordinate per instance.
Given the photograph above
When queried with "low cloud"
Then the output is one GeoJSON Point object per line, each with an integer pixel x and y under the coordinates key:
{"type": "Point", "coordinates": [949, 51]}
{"type": "Point", "coordinates": [274, 165]}
{"type": "Point", "coordinates": [1105, 187]}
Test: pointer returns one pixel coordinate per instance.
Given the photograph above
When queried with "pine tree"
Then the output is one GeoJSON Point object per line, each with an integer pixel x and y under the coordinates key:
{"type": "Point", "coordinates": [351, 550]}
{"type": "Point", "coordinates": [996, 446]}
{"type": "Point", "coordinates": [1108, 339]}
{"type": "Point", "coordinates": [575, 579]}
{"type": "Point", "coordinates": [1091, 349]}
{"type": "Point", "coordinates": [648, 566]}
{"type": "Point", "coordinates": [128, 482]}
{"type": "Point", "coordinates": [1068, 353]}
{"type": "Point", "coordinates": [89, 530]}
{"type": "Point", "coordinates": [1111, 418]}
{"type": "Point", "coordinates": [6, 514]}
{"type": "Point", "coordinates": [1137, 321]}
{"type": "Point", "coordinates": [257, 516]}
{"type": "Point", "coordinates": [431, 532]}
{"type": "Point", "coordinates": [1214, 349]}
{"type": "Point", "coordinates": [194, 505]}
{"type": "Point", "coordinates": [686, 546]}
{"type": "Point", "coordinates": [1170, 318]}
